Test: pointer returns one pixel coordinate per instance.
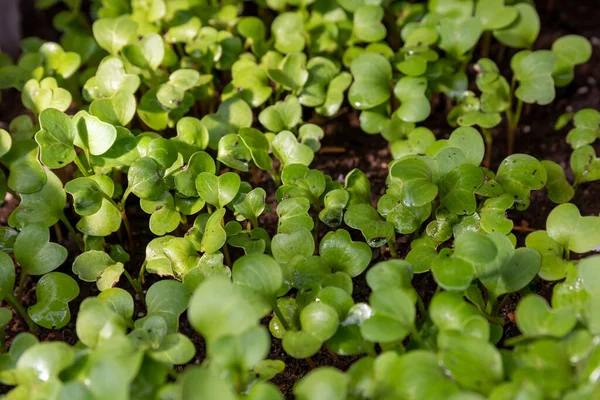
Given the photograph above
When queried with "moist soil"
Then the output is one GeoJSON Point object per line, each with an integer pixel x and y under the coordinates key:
{"type": "Point", "coordinates": [346, 147]}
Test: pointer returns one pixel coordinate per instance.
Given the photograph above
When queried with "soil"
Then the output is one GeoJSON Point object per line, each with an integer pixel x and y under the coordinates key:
{"type": "Point", "coordinates": [346, 147]}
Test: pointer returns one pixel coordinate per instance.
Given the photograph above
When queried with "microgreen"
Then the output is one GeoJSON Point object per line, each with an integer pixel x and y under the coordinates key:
{"type": "Point", "coordinates": [53, 291]}
{"type": "Point", "coordinates": [372, 74]}
{"type": "Point", "coordinates": [587, 128]}
{"type": "Point", "coordinates": [97, 266]}
{"type": "Point", "coordinates": [39, 96]}
{"type": "Point", "coordinates": [523, 31]}
{"type": "Point", "coordinates": [570, 50]}
{"type": "Point", "coordinates": [224, 122]}
{"type": "Point", "coordinates": [283, 115]}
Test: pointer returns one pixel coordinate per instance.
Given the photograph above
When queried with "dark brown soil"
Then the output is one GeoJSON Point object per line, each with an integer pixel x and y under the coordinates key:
{"type": "Point", "coordinates": [346, 147]}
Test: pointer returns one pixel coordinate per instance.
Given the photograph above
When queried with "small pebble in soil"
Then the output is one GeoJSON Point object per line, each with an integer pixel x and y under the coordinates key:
{"type": "Point", "coordinates": [583, 90]}
{"type": "Point", "coordinates": [140, 314]}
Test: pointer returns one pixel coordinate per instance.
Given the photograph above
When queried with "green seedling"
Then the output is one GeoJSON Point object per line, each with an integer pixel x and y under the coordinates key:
{"type": "Point", "coordinates": [586, 128]}
{"type": "Point", "coordinates": [54, 291]}
{"type": "Point", "coordinates": [189, 107]}
{"type": "Point", "coordinates": [566, 231]}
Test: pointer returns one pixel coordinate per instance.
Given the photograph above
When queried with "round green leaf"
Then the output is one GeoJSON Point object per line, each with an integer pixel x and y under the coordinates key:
{"type": "Point", "coordinates": [98, 323]}
{"type": "Point", "coordinates": [54, 291]}
{"type": "Point", "coordinates": [559, 189]}
{"type": "Point", "coordinates": [393, 316]}
{"type": "Point", "coordinates": [319, 322]}
{"type": "Point", "coordinates": [93, 135]}
{"type": "Point", "coordinates": [554, 267]}
{"type": "Point", "coordinates": [167, 299]}
{"type": "Point", "coordinates": [367, 220]}
{"type": "Point", "coordinates": [519, 174]}
{"type": "Point", "coordinates": [42, 207]}
{"type": "Point", "coordinates": [474, 363]}
{"type": "Point", "coordinates": [7, 275]}
{"type": "Point", "coordinates": [458, 37]}
{"type": "Point", "coordinates": [282, 115]}
{"type": "Point", "coordinates": [145, 179]}
{"type": "Point", "coordinates": [232, 114]}
{"type": "Point", "coordinates": [524, 30]}
{"type": "Point", "coordinates": [342, 254]}
{"type": "Point", "coordinates": [185, 180]}
{"type": "Point", "coordinates": [322, 383]}
{"type": "Point", "coordinates": [214, 235]}
{"type": "Point", "coordinates": [414, 104]}
{"type": "Point", "coordinates": [87, 195]}
{"type": "Point", "coordinates": [534, 73]}
{"type": "Point", "coordinates": [576, 233]}
{"type": "Point", "coordinates": [367, 24]}
{"type": "Point", "coordinates": [372, 76]}
{"type": "Point", "coordinates": [287, 149]}
{"type": "Point", "coordinates": [217, 309]}
{"type": "Point", "coordinates": [259, 277]}
{"type": "Point", "coordinates": [39, 96]}
{"type": "Point", "coordinates": [288, 28]}
{"type": "Point", "coordinates": [55, 138]}
{"type": "Point", "coordinates": [451, 273]}
{"type": "Point", "coordinates": [35, 253]}
{"type": "Point", "coordinates": [535, 318]}
{"type": "Point", "coordinates": [291, 72]}
{"type": "Point", "coordinates": [493, 14]}
{"type": "Point", "coordinates": [112, 34]}
{"type": "Point", "coordinates": [97, 266]}
{"type": "Point", "coordinates": [218, 191]}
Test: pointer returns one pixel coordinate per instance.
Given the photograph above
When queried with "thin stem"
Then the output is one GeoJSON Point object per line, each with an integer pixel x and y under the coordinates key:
{"type": "Point", "coordinates": [80, 166]}
{"type": "Point", "coordinates": [140, 279]}
{"type": "Point", "coordinates": [392, 246]}
{"type": "Point", "coordinates": [488, 138]}
{"type": "Point", "coordinates": [392, 27]}
{"type": "Point", "coordinates": [486, 40]}
{"type": "Point", "coordinates": [73, 233]}
{"type": "Point", "coordinates": [21, 284]}
{"type": "Point", "coordinates": [421, 307]}
{"type": "Point", "coordinates": [513, 123]}
{"type": "Point", "coordinates": [280, 316]}
{"type": "Point", "coordinates": [275, 177]}
{"type": "Point", "coordinates": [59, 236]}
{"type": "Point", "coordinates": [14, 302]}
{"type": "Point", "coordinates": [129, 231]}
{"type": "Point", "coordinates": [502, 304]}
{"type": "Point", "coordinates": [417, 337]}
{"type": "Point", "coordinates": [226, 255]}
{"type": "Point", "coordinates": [2, 341]}
{"type": "Point", "coordinates": [253, 223]}
{"type": "Point", "coordinates": [121, 205]}
{"type": "Point", "coordinates": [180, 50]}
{"type": "Point", "coordinates": [311, 363]}
{"type": "Point", "coordinates": [492, 303]}
{"type": "Point", "coordinates": [132, 282]}
{"type": "Point", "coordinates": [316, 233]}
{"type": "Point", "coordinates": [121, 208]}
{"type": "Point", "coordinates": [335, 357]}
{"type": "Point", "coordinates": [567, 254]}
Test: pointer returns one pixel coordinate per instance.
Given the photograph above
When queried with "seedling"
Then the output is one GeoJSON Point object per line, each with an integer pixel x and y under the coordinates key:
{"type": "Point", "coordinates": [168, 119]}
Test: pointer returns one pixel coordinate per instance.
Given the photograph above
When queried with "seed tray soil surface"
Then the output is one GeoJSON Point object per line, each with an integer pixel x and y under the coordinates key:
{"type": "Point", "coordinates": [346, 147]}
